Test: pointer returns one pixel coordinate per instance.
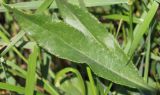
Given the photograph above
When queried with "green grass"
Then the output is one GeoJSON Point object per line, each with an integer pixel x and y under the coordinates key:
{"type": "Point", "coordinates": [31, 72]}
{"type": "Point", "coordinates": [79, 47]}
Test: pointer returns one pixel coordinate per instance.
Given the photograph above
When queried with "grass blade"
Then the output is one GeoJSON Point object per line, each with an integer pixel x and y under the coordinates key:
{"type": "Point", "coordinates": [148, 47]}
{"type": "Point", "coordinates": [141, 28]}
{"type": "Point", "coordinates": [64, 71]}
{"type": "Point", "coordinates": [88, 3]}
{"type": "Point", "coordinates": [49, 88]}
{"type": "Point", "coordinates": [123, 17]}
{"type": "Point", "coordinates": [93, 87]}
{"type": "Point", "coordinates": [31, 73]}
{"type": "Point", "coordinates": [44, 6]}
{"type": "Point", "coordinates": [11, 45]}
{"type": "Point", "coordinates": [10, 87]}
{"type": "Point", "coordinates": [13, 42]}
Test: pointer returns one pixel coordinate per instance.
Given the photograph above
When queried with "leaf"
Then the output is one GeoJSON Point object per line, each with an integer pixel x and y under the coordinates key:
{"type": "Point", "coordinates": [123, 17]}
{"type": "Point", "coordinates": [157, 1]}
{"type": "Point", "coordinates": [142, 27]}
{"type": "Point", "coordinates": [10, 87]}
{"type": "Point", "coordinates": [22, 73]}
{"type": "Point", "coordinates": [13, 42]}
{"type": "Point", "coordinates": [90, 27]}
{"type": "Point", "coordinates": [88, 3]}
{"type": "Point", "coordinates": [44, 6]}
{"type": "Point", "coordinates": [80, 85]}
{"type": "Point", "coordinates": [72, 87]}
{"type": "Point", "coordinates": [93, 87]}
{"type": "Point", "coordinates": [78, 75]}
{"type": "Point", "coordinates": [31, 73]}
{"type": "Point", "coordinates": [49, 88]}
{"type": "Point", "coordinates": [158, 70]}
{"type": "Point", "coordinates": [107, 61]}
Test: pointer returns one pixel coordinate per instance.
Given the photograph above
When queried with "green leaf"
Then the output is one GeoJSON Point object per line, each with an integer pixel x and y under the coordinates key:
{"type": "Point", "coordinates": [81, 86]}
{"type": "Point", "coordinates": [49, 88]}
{"type": "Point", "coordinates": [78, 75]}
{"type": "Point", "coordinates": [106, 60]}
{"type": "Point", "coordinates": [72, 87]}
{"type": "Point", "coordinates": [90, 27]}
{"type": "Point", "coordinates": [10, 87]}
{"type": "Point", "coordinates": [123, 17]}
{"type": "Point", "coordinates": [93, 87]}
{"type": "Point", "coordinates": [157, 1]}
{"type": "Point", "coordinates": [142, 27]}
{"type": "Point", "coordinates": [44, 6]}
{"type": "Point", "coordinates": [88, 3]}
{"type": "Point", "coordinates": [31, 73]}
{"type": "Point", "coordinates": [16, 70]}
{"type": "Point", "coordinates": [13, 42]}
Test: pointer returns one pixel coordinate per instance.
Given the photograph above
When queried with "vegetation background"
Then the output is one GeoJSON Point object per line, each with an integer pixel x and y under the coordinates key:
{"type": "Point", "coordinates": [79, 47]}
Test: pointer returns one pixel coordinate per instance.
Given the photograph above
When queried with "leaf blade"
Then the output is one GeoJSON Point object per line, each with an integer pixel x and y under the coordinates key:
{"type": "Point", "coordinates": [88, 3]}
{"type": "Point", "coordinates": [10, 87]}
{"type": "Point", "coordinates": [31, 73]}
{"type": "Point", "coordinates": [141, 28]}
{"type": "Point", "coordinates": [82, 49]}
{"type": "Point", "coordinates": [75, 17]}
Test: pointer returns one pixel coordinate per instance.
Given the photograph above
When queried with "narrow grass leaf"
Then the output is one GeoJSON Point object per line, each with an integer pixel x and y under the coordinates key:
{"type": "Point", "coordinates": [88, 3]}
{"type": "Point", "coordinates": [93, 87]}
{"type": "Point", "coordinates": [141, 28]}
{"type": "Point", "coordinates": [31, 73]}
{"type": "Point", "coordinates": [147, 59]}
{"type": "Point", "coordinates": [124, 17]}
{"type": "Point", "coordinates": [76, 72]}
{"type": "Point", "coordinates": [16, 70]}
{"type": "Point", "coordinates": [157, 1]}
{"type": "Point", "coordinates": [16, 67]}
{"type": "Point", "coordinates": [13, 42]}
{"type": "Point", "coordinates": [11, 45]}
{"type": "Point", "coordinates": [49, 88]}
{"type": "Point", "coordinates": [13, 88]}
{"type": "Point", "coordinates": [44, 6]}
